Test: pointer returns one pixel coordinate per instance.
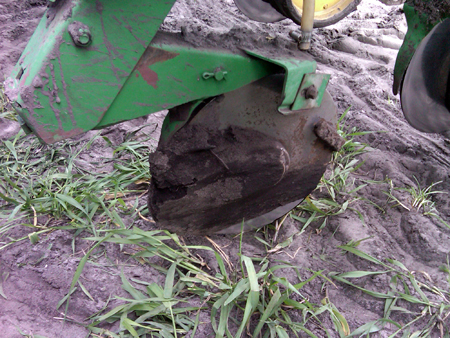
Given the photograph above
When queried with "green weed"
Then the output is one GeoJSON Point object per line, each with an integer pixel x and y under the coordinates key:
{"type": "Point", "coordinates": [29, 335]}
{"type": "Point", "coordinates": [156, 311]}
{"type": "Point", "coordinates": [6, 110]}
{"type": "Point", "coordinates": [52, 180]}
{"type": "Point", "coordinates": [255, 299]}
{"type": "Point", "coordinates": [338, 188]}
{"type": "Point", "coordinates": [446, 269]}
{"type": "Point", "coordinates": [419, 199]}
{"type": "Point", "coordinates": [408, 295]}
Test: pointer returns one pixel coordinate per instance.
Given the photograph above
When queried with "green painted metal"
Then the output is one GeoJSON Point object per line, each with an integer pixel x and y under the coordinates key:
{"type": "Point", "coordinates": [295, 70]}
{"type": "Point", "coordinates": [418, 27]}
{"type": "Point", "coordinates": [62, 89]}
{"type": "Point", "coordinates": [91, 64]}
{"type": "Point", "coordinates": [170, 75]}
{"type": "Point", "coordinates": [174, 122]}
{"type": "Point", "coordinates": [319, 81]}
{"type": "Point", "coordinates": [225, 73]}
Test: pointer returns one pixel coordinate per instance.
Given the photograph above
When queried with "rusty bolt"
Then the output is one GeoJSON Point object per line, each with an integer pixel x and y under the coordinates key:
{"type": "Point", "coordinates": [311, 92]}
{"type": "Point", "coordinates": [80, 34]}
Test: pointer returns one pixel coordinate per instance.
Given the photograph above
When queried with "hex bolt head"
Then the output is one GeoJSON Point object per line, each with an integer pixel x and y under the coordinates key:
{"type": "Point", "coordinates": [80, 34]}
{"type": "Point", "coordinates": [311, 92]}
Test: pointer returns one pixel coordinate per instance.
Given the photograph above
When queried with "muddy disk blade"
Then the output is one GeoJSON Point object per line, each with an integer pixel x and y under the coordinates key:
{"type": "Point", "coordinates": [236, 160]}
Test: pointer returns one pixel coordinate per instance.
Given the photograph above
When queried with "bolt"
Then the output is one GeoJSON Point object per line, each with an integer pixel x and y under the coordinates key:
{"type": "Point", "coordinates": [311, 92]}
{"type": "Point", "coordinates": [219, 75]}
{"type": "Point", "coordinates": [80, 34]}
{"type": "Point", "coordinates": [84, 37]}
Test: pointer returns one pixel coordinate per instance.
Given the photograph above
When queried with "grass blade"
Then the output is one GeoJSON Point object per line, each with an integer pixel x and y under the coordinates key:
{"type": "Point", "coordinates": [273, 305]}
{"type": "Point", "coordinates": [77, 274]}
{"type": "Point", "coordinates": [168, 287]}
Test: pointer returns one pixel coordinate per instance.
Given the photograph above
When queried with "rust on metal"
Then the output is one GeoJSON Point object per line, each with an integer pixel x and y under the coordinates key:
{"type": "Point", "coordinates": [151, 56]}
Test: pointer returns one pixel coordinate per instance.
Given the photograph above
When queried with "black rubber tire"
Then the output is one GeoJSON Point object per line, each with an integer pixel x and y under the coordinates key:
{"type": "Point", "coordinates": [425, 89]}
{"type": "Point", "coordinates": [259, 10]}
{"type": "Point", "coordinates": [287, 8]}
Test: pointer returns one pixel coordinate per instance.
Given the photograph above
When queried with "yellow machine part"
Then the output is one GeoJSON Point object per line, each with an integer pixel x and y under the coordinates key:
{"type": "Point", "coordinates": [324, 9]}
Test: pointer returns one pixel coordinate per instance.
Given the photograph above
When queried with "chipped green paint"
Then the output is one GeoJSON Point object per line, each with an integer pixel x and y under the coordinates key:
{"type": "Point", "coordinates": [169, 75]}
{"type": "Point", "coordinates": [93, 63]}
{"type": "Point", "coordinates": [62, 89]}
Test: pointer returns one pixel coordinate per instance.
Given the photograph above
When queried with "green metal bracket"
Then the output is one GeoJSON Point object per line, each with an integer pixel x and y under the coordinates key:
{"type": "Point", "coordinates": [175, 120]}
{"type": "Point", "coordinates": [170, 75]}
{"type": "Point", "coordinates": [78, 60]}
{"type": "Point", "coordinates": [227, 71]}
{"type": "Point", "coordinates": [418, 27]}
{"type": "Point", "coordinates": [91, 64]}
{"type": "Point", "coordinates": [295, 70]}
{"type": "Point", "coordinates": [311, 91]}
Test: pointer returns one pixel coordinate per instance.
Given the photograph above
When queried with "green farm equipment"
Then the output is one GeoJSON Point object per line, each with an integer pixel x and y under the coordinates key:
{"type": "Point", "coordinates": [422, 68]}
{"type": "Point", "coordinates": [250, 128]}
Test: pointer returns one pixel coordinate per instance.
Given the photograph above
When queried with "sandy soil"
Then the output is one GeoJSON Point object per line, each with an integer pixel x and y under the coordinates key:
{"type": "Point", "coordinates": [360, 53]}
